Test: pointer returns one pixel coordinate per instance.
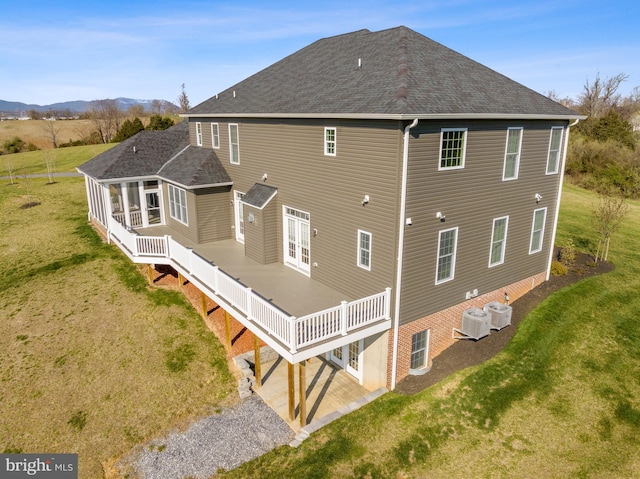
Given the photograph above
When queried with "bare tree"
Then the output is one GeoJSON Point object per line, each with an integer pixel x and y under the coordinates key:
{"type": "Point", "coordinates": [51, 130]}
{"type": "Point", "coordinates": [106, 117]}
{"type": "Point", "coordinates": [136, 110]}
{"type": "Point", "coordinates": [599, 97]}
{"type": "Point", "coordinates": [50, 161]}
{"type": "Point", "coordinates": [607, 218]}
{"type": "Point", "coordinates": [12, 175]}
{"type": "Point", "coordinates": [183, 100]}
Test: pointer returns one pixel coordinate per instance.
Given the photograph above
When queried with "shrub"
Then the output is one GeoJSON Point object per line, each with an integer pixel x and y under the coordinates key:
{"type": "Point", "coordinates": [568, 254]}
{"type": "Point", "coordinates": [558, 269]}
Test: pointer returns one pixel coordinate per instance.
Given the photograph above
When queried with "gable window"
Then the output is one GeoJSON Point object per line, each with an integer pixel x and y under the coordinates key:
{"type": "Point", "coordinates": [178, 204]}
{"type": "Point", "coordinates": [512, 154]}
{"type": "Point", "coordinates": [419, 349]}
{"type": "Point", "coordinates": [537, 230]}
{"type": "Point", "coordinates": [498, 241]}
{"type": "Point", "coordinates": [215, 136]}
{"type": "Point", "coordinates": [330, 141]}
{"type": "Point", "coordinates": [234, 144]}
{"type": "Point", "coordinates": [453, 142]}
{"type": "Point", "coordinates": [199, 134]}
{"type": "Point", "coordinates": [447, 242]}
{"type": "Point", "coordinates": [555, 142]}
{"type": "Point", "coordinates": [364, 250]}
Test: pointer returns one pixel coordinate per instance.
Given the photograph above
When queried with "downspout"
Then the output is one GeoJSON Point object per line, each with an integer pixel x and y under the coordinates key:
{"type": "Point", "coordinates": [401, 227]}
{"type": "Point", "coordinates": [555, 221]}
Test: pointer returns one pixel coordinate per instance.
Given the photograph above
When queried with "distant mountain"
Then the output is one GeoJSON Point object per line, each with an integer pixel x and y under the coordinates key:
{"type": "Point", "coordinates": [78, 106]}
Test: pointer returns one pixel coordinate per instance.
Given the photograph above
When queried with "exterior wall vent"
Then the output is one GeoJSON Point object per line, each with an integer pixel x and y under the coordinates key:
{"type": "Point", "coordinates": [500, 314]}
{"type": "Point", "coordinates": [476, 324]}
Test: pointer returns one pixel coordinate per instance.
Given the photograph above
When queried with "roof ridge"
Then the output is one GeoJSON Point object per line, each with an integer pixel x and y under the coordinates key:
{"type": "Point", "coordinates": [402, 93]}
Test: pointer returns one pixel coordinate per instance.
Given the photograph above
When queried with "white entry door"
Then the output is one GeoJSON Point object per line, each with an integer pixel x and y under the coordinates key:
{"type": "Point", "coordinates": [349, 358]}
{"type": "Point", "coordinates": [297, 244]}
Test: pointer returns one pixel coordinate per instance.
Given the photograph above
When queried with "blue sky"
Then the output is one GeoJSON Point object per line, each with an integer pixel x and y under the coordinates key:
{"type": "Point", "coordinates": [53, 51]}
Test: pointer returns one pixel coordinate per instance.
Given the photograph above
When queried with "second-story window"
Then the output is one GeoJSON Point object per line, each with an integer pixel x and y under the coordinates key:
{"type": "Point", "coordinates": [364, 249]}
{"type": "Point", "coordinates": [234, 144]}
{"type": "Point", "coordinates": [512, 154]}
{"type": "Point", "coordinates": [330, 141]}
{"type": "Point", "coordinates": [199, 134]}
{"type": "Point", "coordinates": [215, 136]}
{"type": "Point", "coordinates": [555, 142]}
{"type": "Point", "coordinates": [453, 143]}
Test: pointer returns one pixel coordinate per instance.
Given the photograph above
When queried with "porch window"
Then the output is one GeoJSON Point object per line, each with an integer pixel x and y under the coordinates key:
{"type": "Point", "coordinates": [178, 204]}
{"type": "Point", "coordinates": [498, 241]}
{"type": "Point", "coordinates": [215, 136]}
{"type": "Point", "coordinates": [234, 144]}
{"type": "Point", "coordinates": [447, 242]}
{"type": "Point", "coordinates": [419, 348]}
{"type": "Point", "coordinates": [512, 154]}
{"type": "Point", "coordinates": [364, 250]}
{"type": "Point", "coordinates": [537, 230]}
{"type": "Point", "coordinates": [330, 141]}
{"type": "Point", "coordinates": [199, 134]}
{"type": "Point", "coordinates": [453, 143]}
{"type": "Point", "coordinates": [555, 142]}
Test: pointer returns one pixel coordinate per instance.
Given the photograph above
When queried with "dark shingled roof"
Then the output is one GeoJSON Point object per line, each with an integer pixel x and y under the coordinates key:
{"type": "Point", "coordinates": [402, 73]}
{"type": "Point", "coordinates": [259, 195]}
{"type": "Point", "coordinates": [165, 154]}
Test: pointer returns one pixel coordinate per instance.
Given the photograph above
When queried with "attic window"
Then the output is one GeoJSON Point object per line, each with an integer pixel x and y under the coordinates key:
{"type": "Point", "coordinates": [453, 143]}
{"type": "Point", "coordinates": [330, 141]}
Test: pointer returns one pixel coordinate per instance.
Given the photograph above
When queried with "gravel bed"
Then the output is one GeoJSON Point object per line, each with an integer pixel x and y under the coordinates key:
{"type": "Point", "coordinates": [222, 441]}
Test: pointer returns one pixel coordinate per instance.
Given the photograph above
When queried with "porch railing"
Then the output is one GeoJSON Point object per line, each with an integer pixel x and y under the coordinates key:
{"type": "Point", "coordinates": [294, 333]}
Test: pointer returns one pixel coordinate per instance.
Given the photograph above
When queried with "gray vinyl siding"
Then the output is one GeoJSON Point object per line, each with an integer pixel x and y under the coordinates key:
{"type": "Point", "coordinates": [191, 230]}
{"type": "Point", "coordinates": [260, 237]}
{"type": "Point", "coordinates": [329, 188]}
{"type": "Point", "coordinates": [212, 205]}
{"type": "Point", "coordinates": [470, 198]}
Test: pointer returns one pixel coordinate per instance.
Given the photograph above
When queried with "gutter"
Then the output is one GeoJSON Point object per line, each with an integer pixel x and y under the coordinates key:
{"type": "Point", "coordinates": [555, 221]}
{"type": "Point", "coordinates": [401, 228]}
{"type": "Point", "coordinates": [388, 116]}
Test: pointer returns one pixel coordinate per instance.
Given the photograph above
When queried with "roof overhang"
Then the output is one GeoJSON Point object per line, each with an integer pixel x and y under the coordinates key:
{"type": "Point", "coordinates": [156, 177]}
{"type": "Point", "coordinates": [384, 116]}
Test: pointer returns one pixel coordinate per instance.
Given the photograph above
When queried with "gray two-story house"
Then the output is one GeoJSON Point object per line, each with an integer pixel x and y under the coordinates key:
{"type": "Point", "coordinates": [356, 199]}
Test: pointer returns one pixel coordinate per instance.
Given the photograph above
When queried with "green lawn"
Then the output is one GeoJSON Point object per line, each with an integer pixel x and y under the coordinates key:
{"type": "Point", "coordinates": [62, 159]}
{"type": "Point", "coordinates": [92, 360]}
{"type": "Point", "coordinates": [561, 401]}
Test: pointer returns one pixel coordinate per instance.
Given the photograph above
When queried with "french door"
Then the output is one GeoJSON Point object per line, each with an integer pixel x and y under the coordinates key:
{"type": "Point", "coordinates": [297, 244]}
{"type": "Point", "coordinates": [349, 358]}
{"type": "Point", "coordinates": [238, 211]}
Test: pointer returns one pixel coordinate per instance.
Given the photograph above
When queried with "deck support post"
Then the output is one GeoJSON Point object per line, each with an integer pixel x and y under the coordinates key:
{"type": "Point", "coordinates": [180, 280]}
{"type": "Point", "coordinates": [204, 305]}
{"type": "Point", "coordinates": [256, 357]}
{"type": "Point", "coordinates": [227, 330]}
{"type": "Point", "coordinates": [291, 391]}
{"type": "Point", "coordinates": [302, 379]}
{"type": "Point", "coordinates": [150, 272]}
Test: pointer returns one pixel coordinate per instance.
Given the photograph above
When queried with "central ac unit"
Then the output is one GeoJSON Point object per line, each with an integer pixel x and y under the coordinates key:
{"type": "Point", "coordinates": [476, 323]}
{"type": "Point", "coordinates": [500, 314]}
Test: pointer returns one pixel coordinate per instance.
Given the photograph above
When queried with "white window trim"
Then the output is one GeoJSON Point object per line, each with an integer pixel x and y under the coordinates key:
{"type": "Point", "coordinates": [559, 152]}
{"type": "Point", "coordinates": [215, 136]}
{"type": "Point", "coordinates": [425, 367]}
{"type": "Point", "coordinates": [506, 152]}
{"type": "Point", "coordinates": [176, 198]}
{"type": "Point", "coordinates": [198, 133]}
{"type": "Point", "coordinates": [504, 241]}
{"type": "Point", "coordinates": [334, 142]}
{"type": "Point", "coordinates": [464, 149]}
{"type": "Point", "coordinates": [533, 225]}
{"type": "Point", "coordinates": [453, 260]}
{"type": "Point", "coordinates": [237, 162]}
{"type": "Point", "coordinates": [360, 249]}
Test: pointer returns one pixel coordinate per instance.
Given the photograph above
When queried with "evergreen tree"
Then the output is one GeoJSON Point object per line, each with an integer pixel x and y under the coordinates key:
{"type": "Point", "coordinates": [158, 122]}
{"type": "Point", "coordinates": [128, 129]}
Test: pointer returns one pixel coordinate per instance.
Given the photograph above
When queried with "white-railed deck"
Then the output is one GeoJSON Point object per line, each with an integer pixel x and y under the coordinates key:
{"type": "Point", "coordinates": [294, 314]}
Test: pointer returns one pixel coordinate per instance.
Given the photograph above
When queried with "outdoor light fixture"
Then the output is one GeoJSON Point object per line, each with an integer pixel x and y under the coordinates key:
{"type": "Point", "coordinates": [365, 201]}
{"type": "Point", "coordinates": [264, 177]}
{"type": "Point", "coordinates": [440, 216]}
{"type": "Point", "coordinates": [538, 197]}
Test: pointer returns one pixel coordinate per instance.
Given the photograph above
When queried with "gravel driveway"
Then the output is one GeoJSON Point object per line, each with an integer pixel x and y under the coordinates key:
{"type": "Point", "coordinates": [222, 441]}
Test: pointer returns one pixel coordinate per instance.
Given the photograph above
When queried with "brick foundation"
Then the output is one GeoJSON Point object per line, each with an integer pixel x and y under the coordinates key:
{"type": "Point", "coordinates": [441, 324]}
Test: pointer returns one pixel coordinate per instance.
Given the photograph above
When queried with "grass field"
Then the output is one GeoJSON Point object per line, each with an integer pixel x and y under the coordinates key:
{"type": "Point", "coordinates": [62, 159]}
{"type": "Point", "coordinates": [561, 401]}
{"type": "Point", "coordinates": [92, 360]}
{"type": "Point", "coordinates": [35, 131]}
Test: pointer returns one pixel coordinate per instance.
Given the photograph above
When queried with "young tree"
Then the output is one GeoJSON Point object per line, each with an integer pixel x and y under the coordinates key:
{"type": "Point", "coordinates": [183, 100]}
{"type": "Point", "coordinates": [50, 161]}
{"type": "Point", "coordinates": [607, 218]}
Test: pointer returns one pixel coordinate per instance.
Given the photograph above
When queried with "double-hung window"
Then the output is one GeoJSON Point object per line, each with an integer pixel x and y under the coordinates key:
{"type": "Point", "coordinates": [498, 241]}
{"type": "Point", "coordinates": [555, 144]}
{"type": "Point", "coordinates": [215, 135]}
{"type": "Point", "coordinates": [364, 250]}
{"type": "Point", "coordinates": [447, 242]}
{"type": "Point", "coordinates": [453, 143]}
{"type": "Point", "coordinates": [234, 144]}
{"type": "Point", "coordinates": [419, 349]}
{"type": "Point", "coordinates": [512, 154]}
{"type": "Point", "coordinates": [537, 230]}
{"type": "Point", "coordinates": [178, 204]}
{"type": "Point", "coordinates": [198, 133]}
{"type": "Point", "coordinates": [330, 141]}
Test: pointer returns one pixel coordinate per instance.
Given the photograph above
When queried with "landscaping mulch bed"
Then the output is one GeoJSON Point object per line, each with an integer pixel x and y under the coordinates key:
{"type": "Point", "coordinates": [468, 352]}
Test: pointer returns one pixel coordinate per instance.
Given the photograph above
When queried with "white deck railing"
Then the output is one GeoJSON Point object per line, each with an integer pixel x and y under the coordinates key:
{"type": "Point", "coordinates": [294, 333]}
